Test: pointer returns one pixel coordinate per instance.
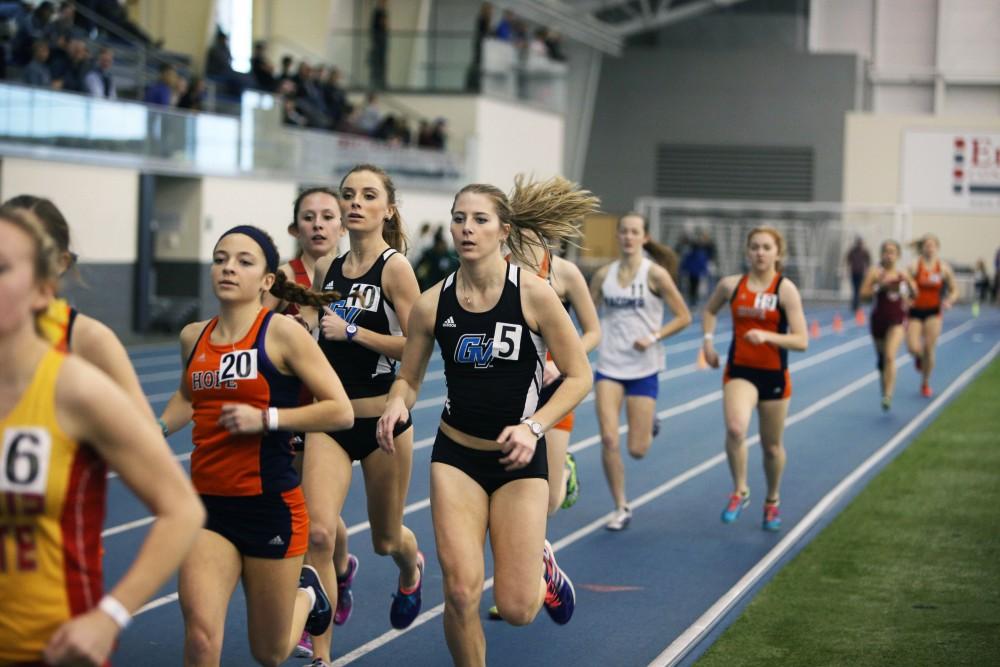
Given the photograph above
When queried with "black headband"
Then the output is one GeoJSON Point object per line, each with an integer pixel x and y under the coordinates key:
{"type": "Point", "coordinates": [265, 243]}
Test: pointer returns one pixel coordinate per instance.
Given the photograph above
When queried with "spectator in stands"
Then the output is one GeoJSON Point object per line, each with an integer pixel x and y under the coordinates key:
{"type": "Point", "coordinates": [219, 65]}
{"type": "Point", "coordinates": [113, 12]}
{"type": "Point", "coordinates": [379, 36]}
{"type": "Point", "coordinates": [37, 72]}
{"type": "Point", "coordinates": [335, 98]}
{"type": "Point", "coordinates": [370, 116]}
{"type": "Point", "coordinates": [262, 67]}
{"type": "Point", "coordinates": [290, 113]}
{"type": "Point", "coordinates": [537, 45]}
{"type": "Point", "coordinates": [420, 244]}
{"type": "Point", "coordinates": [286, 67]}
{"type": "Point", "coordinates": [309, 97]}
{"type": "Point", "coordinates": [483, 21]}
{"type": "Point", "coordinates": [59, 60]}
{"type": "Point", "coordinates": [505, 27]}
{"type": "Point", "coordinates": [439, 134]}
{"type": "Point", "coordinates": [74, 78]}
{"type": "Point", "coordinates": [194, 97]}
{"type": "Point", "coordinates": [64, 23]}
{"type": "Point", "coordinates": [424, 133]}
{"type": "Point", "coordinates": [553, 43]}
{"type": "Point", "coordinates": [162, 91]}
{"type": "Point", "coordinates": [30, 28]}
{"type": "Point", "coordinates": [858, 261]}
{"type": "Point", "coordinates": [99, 81]}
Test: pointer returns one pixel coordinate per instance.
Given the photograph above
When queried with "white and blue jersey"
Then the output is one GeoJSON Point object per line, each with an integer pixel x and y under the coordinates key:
{"type": "Point", "coordinates": [493, 363]}
{"type": "Point", "coordinates": [627, 314]}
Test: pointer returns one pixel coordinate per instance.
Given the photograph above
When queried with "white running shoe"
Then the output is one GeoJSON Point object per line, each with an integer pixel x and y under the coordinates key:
{"type": "Point", "coordinates": [620, 519]}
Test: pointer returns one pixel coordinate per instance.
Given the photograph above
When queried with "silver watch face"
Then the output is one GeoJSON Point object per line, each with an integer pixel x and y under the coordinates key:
{"type": "Point", "coordinates": [536, 428]}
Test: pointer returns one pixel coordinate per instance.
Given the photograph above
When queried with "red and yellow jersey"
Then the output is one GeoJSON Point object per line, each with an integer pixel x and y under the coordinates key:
{"type": "Point", "coordinates": [302, 277]}
{"type": "Point", "coordinates": [757, 310]}
{"type": "Point", "coordinates": [224, 464]}
{"type": "Point", "coordinates": [56, 323]}
{"type": "Point", "coordinates": [52, 492]}
{"type": "Point", "coordinates": [929, 283]}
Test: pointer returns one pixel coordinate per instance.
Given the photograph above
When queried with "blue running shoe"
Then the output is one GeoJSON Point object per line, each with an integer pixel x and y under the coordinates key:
{"type": "Point", "coordinates": [560, 597]}
{"type": "Point", "coordinates": [772, 517]}
{"type": "Point", "coordinates": [737, 502]}
{"type": "Point", "coordinates": [322, 613]}
{"type": "Point", "coordinates": [406, 606]}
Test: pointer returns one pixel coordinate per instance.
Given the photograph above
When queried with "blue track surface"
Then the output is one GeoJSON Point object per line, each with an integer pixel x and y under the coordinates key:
{"type": "Point", "coordinates": [637, 590]}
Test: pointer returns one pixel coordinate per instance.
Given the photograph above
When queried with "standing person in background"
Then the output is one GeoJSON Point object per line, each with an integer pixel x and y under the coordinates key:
{"type": "Point", "coordinates": [996, 276]}
{"type": "Point", "coordinates": [630, 294]}
{"type": "Point", "coordinates": [890, 288]}
{"type": "Point", "coordinates": [858, 261]}
{"type": "Point", "coordinates": [982, 286]}
{"type": "Point", "coordinates": [379, 35]}
{"type": "Point", "coordinates": [99, 81]}
{"type": "Point", "coordinates": [483, 21]}
{"type": "Point", "coordinates": [694, 266]}
{"type": "Point", "coordinates": [64, 423]}
{"type": "Point", "coordinates": [162, 90]}
{"type": "Point", "coordinates": [493, 322]}
{"type": "Point", "coordinates": [924, 326]}
{"type": "Point", "coordinates": [436, 262]}
{"type": "Point", "coordinates": [767, 322]}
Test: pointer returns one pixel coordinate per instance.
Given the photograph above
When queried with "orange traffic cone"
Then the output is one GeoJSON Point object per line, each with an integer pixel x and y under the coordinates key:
{"type": "Point", "coordinates": [838, 323]}
{"type": "Point", "coordinates": [859, 317]}
{"type": "Point", "coordinates": [814, 329]}
{"type": "Point", "coordinates": [701, 363]}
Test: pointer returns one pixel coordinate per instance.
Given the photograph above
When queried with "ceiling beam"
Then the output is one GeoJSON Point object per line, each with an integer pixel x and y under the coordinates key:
{"type": "Point", "coordinates": [570, 21]}
{"type": "Point", "coordinates": [667, 16]}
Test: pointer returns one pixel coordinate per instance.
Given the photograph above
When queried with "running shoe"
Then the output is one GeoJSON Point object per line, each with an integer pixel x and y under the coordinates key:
{"type": "Point", "coordinates": [345, 599]}
{"type": "Point", "coordinates": [318, 662]}
{"type": "Point", "coordinates": [560, 597]}
{"type": "Point", "coordinates": [734, 507]}
{"type": "Point", "coordinates": [918, 363]}
{"type": "Point", "coordinates": [321, 613]}
{"type": "Point", "coordinates": [772, 517]}
{"type": "Point", "coordinates": [926, 391]}
{"type": "Point", "coordinates": [572, 483]}
{"type": "Point", "coordinates": [656, 426]}
{"type": "Point", "coordinates": [494, 614]}
{"type": "Point", "coordinates": [406, 605]}
{"type": "Point", "coordinates": [304, 649]}
{"type": "Point", "coordinates": [886, 403]}
{"type": "Point", "coordinates": [621, 519]}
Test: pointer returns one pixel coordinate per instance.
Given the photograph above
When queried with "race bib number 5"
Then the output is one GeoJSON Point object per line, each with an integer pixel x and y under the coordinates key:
{"type": "Point", "coordinates": [25, 453]}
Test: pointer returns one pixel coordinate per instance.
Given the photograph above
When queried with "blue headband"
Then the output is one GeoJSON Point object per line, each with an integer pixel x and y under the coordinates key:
{"type": "Point", "coordinates": [270, 252]}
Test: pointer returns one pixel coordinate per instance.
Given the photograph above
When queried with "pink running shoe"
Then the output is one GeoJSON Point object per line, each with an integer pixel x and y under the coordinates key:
{"type": "Point", "coordinates": [345, 599]}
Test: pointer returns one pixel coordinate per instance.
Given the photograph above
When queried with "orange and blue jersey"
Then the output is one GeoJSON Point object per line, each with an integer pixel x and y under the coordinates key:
{"type": "Point", "coordinates": [929, 284]}
{"type": "Point", "coordinates": [222, 463]}
{"type": "Point", "coordinates": [52, 497]}
{"type": "Point", "coordinates": [757, 310]}
{"type": "Point", "coordinates": [56, 324]}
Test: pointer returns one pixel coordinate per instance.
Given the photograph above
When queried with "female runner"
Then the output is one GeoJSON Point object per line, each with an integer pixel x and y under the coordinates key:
{"type": "Point", "coordinates": [767, 322]}
{"type": "Point", "coordinates": [53, 484]}
{"type": "Point", "coordinates": [889, 286]}
{"type": "Point", "coordinates": [362, 336]}
{"type": "Point", "coordinates": [924, 324]}
{"type": "Point", "coordinates": [68, 329]}
{"type": "Point", "coordinates": [243, 373]}
{"type": "Point", "coordinates": [631, 293]}
{"type": "Point", "coordinates": [493, 323]}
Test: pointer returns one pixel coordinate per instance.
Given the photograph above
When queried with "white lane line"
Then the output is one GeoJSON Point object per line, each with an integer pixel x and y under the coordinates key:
{"type": "Point", "coordinates": [688, 639]}
{"type": "Point", "coordinates": [645, 498]}
{"type": "Point", "coordinates": [638, 502]}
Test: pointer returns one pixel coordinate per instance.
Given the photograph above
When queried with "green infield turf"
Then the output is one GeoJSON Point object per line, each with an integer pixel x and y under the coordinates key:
{"type": "Point", "coordinates": [909, 573]}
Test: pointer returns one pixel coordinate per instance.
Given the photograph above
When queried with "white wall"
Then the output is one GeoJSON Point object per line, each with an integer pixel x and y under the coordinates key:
{"type": "Point", "coordinates": [101, 204]}
{"type": "Point", "coordinates": [873, 170]}
{"type": "Point", "coordinates": [227, 202]}
{"type": "Point", "coordinates": [513, 139]}
{"type": "Point", "coordinates": [925, 56]}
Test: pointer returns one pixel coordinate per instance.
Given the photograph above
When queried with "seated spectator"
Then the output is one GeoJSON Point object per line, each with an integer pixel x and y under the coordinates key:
{"type": "Point", "coordinates": [286, 67]}
{"type": "Point", "coordinates": [162, 91]}
{"type": "Point", "coordinates": [262, 68]}
{"type": "Point", "coordinates": [370, 116]}
{"type": "Point", "coordinates": [99, 80]}
{"type": "Point", "coordinates": [290, 114]}
{"type": "Point", "coordinates": [424, 133]}
{"type": "Point", "coordinates": [335, 98]}
{"type": "Point", "coordinates": [37, 72]}
{"type": "Point", "coordinates": [553, 42]}
{"type": "Point", "coordinates": [30, 28]}
{"type": "Point", "coordinates": [59, 60]}
{"type": "Point", "coordinates": [439, 135]}
{"type": "Point", "coordinates": [79, 66]}
{"type": "Point", "coordinates": [194, 97]}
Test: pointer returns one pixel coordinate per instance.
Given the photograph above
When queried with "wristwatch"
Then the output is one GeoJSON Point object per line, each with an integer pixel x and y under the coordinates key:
{"type": "Point", "coordinates": [351, 330]}
{"type": "Point", "coordinates": [536, 428]}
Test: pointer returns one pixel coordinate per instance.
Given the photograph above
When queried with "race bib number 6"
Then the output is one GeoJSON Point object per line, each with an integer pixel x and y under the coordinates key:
{"type": "Point", "coordinates": [238, 365]}
{"type": "Point", "coordinates": [25, 453]}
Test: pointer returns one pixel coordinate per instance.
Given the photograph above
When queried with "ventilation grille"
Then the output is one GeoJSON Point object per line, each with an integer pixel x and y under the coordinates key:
{"type": "Point", "coordinates": [757, 173]}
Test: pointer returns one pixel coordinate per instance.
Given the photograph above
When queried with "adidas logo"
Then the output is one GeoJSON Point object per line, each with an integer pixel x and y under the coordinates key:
{"type": "Point", "coordinates": [328, 286]}
{"type": "Point", "coordinates": [450, 322]}
{"type": "Point", "coordinates": [276, 541]}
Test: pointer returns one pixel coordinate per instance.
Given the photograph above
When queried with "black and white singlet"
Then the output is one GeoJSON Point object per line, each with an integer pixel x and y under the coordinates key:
{"type": "Point", "coordinates": [493, 363]}
{"type": "Point", "coordinates": [364, 372]}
